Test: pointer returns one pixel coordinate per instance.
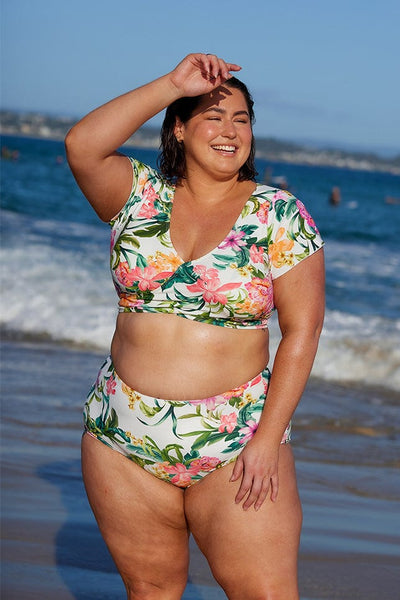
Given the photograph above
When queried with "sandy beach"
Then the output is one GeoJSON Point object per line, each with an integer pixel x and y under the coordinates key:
{"type": "Point", "coordinates": [51, 547]}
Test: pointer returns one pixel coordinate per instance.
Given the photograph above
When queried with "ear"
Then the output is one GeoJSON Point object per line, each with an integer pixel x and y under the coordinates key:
{"type": "Point", "coordinates": [179, 130]}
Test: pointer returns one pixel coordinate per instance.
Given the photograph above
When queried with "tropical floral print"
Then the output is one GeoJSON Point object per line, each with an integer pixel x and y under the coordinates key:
{"type": "Point", "coordinates": [232, 285]}
{"type": "Point", "coordinates": [177, 441]}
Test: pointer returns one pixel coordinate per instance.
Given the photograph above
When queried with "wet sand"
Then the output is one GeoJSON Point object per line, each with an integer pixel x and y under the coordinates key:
{"type": "Point", "coordinates": [51, 547]}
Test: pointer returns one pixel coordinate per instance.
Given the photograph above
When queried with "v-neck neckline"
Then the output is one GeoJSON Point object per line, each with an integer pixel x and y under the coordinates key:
{"type": "Point", "coordinates": [206, 254]}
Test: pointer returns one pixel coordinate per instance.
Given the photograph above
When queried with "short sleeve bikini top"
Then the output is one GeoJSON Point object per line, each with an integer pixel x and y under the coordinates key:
{"type": "Point", "coordinates": [230, 286]}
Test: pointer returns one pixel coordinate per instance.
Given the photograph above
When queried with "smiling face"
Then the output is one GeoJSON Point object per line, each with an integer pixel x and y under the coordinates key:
{"type": "Point", "coordinates": [217, 137]}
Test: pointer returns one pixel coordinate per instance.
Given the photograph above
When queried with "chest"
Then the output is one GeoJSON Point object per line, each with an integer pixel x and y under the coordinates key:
{"type": "Point", "coordinates": [195, 232]}
{"type": "Point", "coordinates": [197, 228]}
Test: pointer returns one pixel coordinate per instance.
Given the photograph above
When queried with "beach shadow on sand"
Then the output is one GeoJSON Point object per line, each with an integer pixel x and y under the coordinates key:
{"type": "Point", "coordinates": [81, 557]}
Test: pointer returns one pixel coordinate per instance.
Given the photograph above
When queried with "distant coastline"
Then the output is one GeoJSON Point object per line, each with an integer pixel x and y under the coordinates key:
{"type": "Point", "coordinates": [42, 126]}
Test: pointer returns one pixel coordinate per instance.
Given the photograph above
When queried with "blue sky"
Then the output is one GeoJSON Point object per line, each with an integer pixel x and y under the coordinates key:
{"type": "Point", "coordinates": [319, 71]}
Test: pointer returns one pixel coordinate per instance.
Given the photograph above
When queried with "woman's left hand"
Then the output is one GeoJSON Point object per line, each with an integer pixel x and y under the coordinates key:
{"type": "Point", "coordinates": [257, 466]}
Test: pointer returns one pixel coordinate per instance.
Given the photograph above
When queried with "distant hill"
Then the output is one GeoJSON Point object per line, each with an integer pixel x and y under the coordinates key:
{"type": "Point", "coordinates": [49, 127]}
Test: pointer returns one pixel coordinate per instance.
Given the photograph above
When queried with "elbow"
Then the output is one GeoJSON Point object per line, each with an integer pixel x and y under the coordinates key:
{"type": "Point", "coordinates": [317, 327]}
{"type": "Point", "coordinates": [73, 146]}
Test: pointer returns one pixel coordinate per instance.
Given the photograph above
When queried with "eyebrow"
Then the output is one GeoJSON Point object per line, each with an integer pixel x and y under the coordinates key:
{"type": "Point", "coordinates": [222, 111]}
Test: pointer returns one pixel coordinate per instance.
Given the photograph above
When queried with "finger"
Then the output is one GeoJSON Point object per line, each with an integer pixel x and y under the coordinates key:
{"type": "Point", "coordinates": [233, 67]}
{"type": "Point", "coordinates": [237, 470]}
{"type": "Point", "coordinates": [229, 67]}
{"type": "Point", "coordinates": [263, 494]}
{"type": "Point", "coordinates": [274, 487]}
{"type": "Point", "coordinates": [244, 488]}
{"type": "Point", "coordinates": [214, 66]}
{"type": "Point", "coordinates": [218, 67]}
{"type": "Point", "coordinates": [223, 70]}
{"type": "Point", "coordinates": [254, 494]}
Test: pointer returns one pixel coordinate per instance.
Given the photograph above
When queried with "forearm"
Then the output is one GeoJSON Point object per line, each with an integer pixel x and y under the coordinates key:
{"type": "Point", "coordinates": [290, 373]}
{"type": "Point", "coordinates": [106, 128]}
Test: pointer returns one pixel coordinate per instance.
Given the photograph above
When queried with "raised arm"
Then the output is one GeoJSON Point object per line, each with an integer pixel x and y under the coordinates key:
{"type": "Point", "coordinates": [103, 174]}
{"type": "Point", "coordinates": [299, 297]}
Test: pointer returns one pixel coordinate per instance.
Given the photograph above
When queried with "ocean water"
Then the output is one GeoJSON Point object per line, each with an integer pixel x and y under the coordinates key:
{"type": "Point", "coordinates": [56, 285]}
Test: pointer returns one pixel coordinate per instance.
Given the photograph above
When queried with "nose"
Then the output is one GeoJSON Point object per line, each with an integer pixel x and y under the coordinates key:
{"type": "Point", "coordinates": [229, 129]}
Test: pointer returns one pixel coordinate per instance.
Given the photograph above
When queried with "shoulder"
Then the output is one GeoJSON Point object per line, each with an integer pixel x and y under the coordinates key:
{"type": "Point", "coordinates": [147, 183]}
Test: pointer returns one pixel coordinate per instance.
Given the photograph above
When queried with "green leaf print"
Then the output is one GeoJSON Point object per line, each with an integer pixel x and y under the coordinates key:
{"type": "Point", "coordinates": [183, 274]}
{"type": "Point", "coordinates": [128, 239]}
{"type": "Point", "coordinates": [149, 411]}
{"type": "Point", "coordinates": [252, 206]}
{"type": "Point", "coordinates": [141, 261]}
{"type": "Point", "coordinates": [201, 441]}
{"type": "Point", "coordinates": [173, 448]}
{"type": "Point", "coordinates": [153, 230]}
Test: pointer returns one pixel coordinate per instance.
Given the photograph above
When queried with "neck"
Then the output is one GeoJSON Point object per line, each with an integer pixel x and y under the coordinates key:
{"type": "Point", "coordinates": [208, 190]}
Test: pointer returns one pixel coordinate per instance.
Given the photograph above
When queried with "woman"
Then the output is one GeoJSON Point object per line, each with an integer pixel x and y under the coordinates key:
{"type": "Point", "coordinates": [202, 459]}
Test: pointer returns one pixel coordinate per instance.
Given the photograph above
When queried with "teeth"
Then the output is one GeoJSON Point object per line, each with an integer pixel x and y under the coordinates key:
{"type": "Point", "coordinates": [225, 148]}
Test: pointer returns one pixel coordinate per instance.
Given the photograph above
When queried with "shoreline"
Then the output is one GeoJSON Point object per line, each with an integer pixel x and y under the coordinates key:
{"type": "Point", "coordinates": [268, 149]}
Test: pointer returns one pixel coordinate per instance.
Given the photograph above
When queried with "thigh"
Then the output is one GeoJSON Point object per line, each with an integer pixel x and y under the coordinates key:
{"type": "Point", "coordinates": [141, 519]}
{"type": "Point", "coordinates": [252, 554]}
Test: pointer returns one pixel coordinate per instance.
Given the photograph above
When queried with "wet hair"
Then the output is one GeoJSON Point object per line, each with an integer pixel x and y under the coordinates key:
{"type": "Point", "coordinates": [172, 162]}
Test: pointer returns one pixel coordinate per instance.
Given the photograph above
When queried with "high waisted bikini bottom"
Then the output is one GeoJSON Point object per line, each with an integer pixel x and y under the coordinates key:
{"type": "Point", "coordinates": [177, 441]}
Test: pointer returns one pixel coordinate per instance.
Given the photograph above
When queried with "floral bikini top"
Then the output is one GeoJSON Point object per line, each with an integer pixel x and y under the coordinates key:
{"type": "Point", "coordinates": [230, 286]}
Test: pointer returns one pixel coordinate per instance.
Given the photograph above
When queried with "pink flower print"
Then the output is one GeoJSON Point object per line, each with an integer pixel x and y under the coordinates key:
{"type": "Point", "coordinates": [111, 385]}
{"type": "Point", "coordinates": [210, 403]}
{"type": "Point", "coordinates": [280, 195]}
{"type": "Point", "coordinates": [123, 274]}
{"type": "Point", "coordinates": [306, 215]}
{"type": "Point", "coordinates": [256, 254]}
{"type": "Point", "coordinates": [248, 431]}
{"type": "Point", "coordinates": [228, 422]}
{"type": "Point", "coordinates": [262, 212]}
{"type": "Point", "coordinates": [233, 240]}
{"type": "Point", "coordinates": [204, 273]}
{"type": "Point", "coordinates": [149, 194]}
{"type": "Point", "coordinates": [183, 476]}
{"type": "Point", "coordinates": [148, 278]}
{"type": "Point", "coordinates": [261, 294]}
{"type": "Point", "coordinates": [256, 380]}
{"type": "Point", "coordinates": [147, 209]}
{"type": "Point", "coordinates": [211, 290]}
{"type": "Point", "coordinates": [206, 463]}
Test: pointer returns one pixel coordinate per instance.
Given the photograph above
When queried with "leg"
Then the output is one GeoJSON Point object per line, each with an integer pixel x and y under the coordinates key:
{"type": "Point", "coordinates": [252, 554]}
{"type": "Point", "coordinates": [142, 521]}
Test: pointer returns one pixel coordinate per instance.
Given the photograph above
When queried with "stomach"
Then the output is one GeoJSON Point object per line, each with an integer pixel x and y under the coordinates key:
{"type": "Point", "coordinates": [169, 357]}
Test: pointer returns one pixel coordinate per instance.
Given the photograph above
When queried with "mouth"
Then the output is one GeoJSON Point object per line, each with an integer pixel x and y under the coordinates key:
{"type": "Point", "coordinates": [224, 148]}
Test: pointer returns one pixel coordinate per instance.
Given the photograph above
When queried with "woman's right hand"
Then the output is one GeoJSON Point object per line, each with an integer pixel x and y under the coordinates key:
{"type": "Point", "coordinates": [200, 74]}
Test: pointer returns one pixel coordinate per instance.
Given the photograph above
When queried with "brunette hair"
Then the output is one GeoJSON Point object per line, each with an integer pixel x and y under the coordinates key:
{"type": "Point", "coordinates": [172, 162]}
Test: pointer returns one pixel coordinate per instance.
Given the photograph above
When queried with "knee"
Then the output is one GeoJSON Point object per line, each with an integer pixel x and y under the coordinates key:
{"type": "Point", "coordinates": [149, 591]}
{"type": "Point", "coordinates": [259, 588]}
{"type": "Point", "coordinates": [143, 591]}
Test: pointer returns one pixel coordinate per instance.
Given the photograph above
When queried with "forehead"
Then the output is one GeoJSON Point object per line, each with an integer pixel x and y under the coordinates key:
{"type": "Point", "coordinates": [222, 98]}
